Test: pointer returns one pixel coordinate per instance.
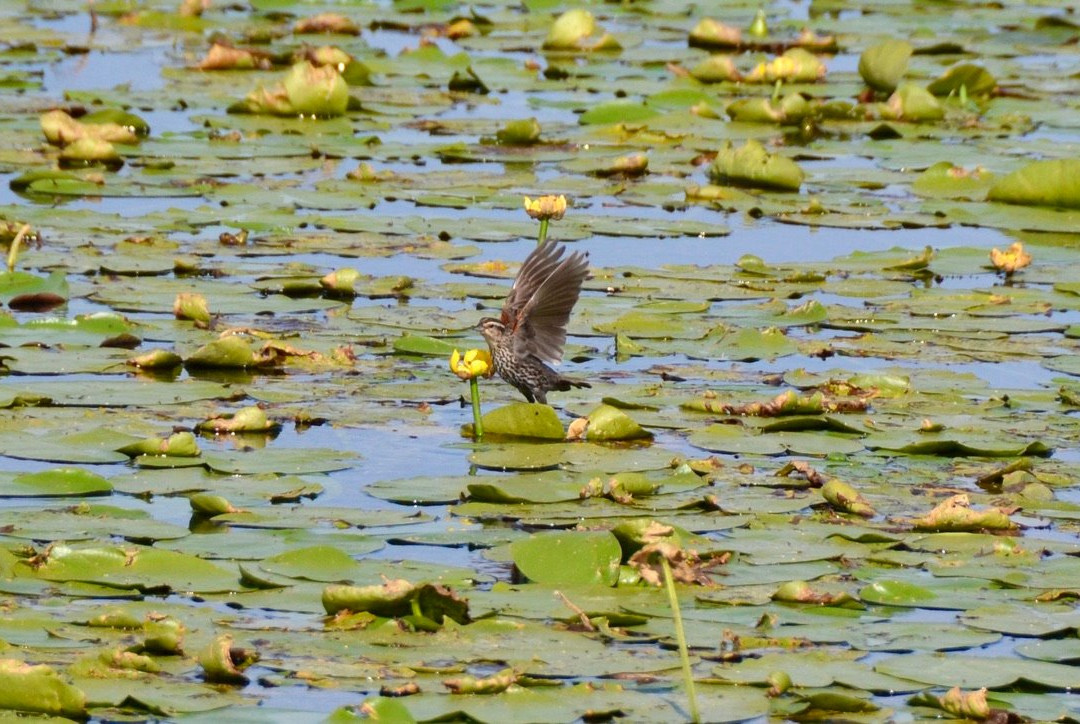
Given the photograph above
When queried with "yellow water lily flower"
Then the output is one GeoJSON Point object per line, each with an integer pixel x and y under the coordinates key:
{"type": "Point", "coordinates": [1011, 260]}
{"type": "Point", "coordinates": [546, 207]}
{"type": "Point", "coordinates": [475, 363]}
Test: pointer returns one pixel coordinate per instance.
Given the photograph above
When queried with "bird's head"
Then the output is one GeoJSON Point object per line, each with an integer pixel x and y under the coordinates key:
{"type": "Point", "coordinates": [492, 329]}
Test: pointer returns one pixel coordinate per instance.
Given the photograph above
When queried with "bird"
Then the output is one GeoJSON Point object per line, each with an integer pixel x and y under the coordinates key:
{"type": "Point", "coordinates": [531, 330]}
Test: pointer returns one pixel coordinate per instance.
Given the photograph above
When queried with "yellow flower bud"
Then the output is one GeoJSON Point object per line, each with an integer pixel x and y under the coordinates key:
{"type": "Point", "coordinates": [546, 207]}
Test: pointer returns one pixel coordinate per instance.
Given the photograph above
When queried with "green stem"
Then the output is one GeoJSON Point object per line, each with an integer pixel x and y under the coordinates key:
{"type": "Point", "coordinates": [542, 236]}
{"type": "Point", "coordinates": [680, 637]}
{"type": "Point", "coordinates": [478, 426]}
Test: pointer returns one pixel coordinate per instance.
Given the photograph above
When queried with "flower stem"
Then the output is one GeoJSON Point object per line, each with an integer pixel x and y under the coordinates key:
{"type": "Point", "coordinates": [478, 426]}
{"type": "Point", "coordinates": [13, 250]}
{"type": "Point", "coordinates": [680, 637]}
{"type": "Point", "coordinates": [542, 236]}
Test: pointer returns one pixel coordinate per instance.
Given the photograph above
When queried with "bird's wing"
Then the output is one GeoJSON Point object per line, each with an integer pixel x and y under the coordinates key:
{"type": "Point", "coordinates": [534, 271]}
{"type": "Point", "coordinates": [539, 325]}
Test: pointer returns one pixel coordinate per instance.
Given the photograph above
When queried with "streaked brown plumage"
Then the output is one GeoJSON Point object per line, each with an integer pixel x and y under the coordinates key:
{"type": "Point", "coordinates": [531, 330]}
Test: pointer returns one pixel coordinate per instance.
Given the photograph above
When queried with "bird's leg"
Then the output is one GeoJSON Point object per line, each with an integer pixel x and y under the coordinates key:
{"type": "Point", "coordinates": [527, 392]}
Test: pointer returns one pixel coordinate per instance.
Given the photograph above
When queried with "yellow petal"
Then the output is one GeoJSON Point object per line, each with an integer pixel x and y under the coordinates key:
{"type": "Point", "coordinates": [1012, 259]}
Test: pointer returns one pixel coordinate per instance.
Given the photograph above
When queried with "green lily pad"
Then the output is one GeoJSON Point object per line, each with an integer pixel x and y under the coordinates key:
{"type": "Point", "coordinates": [884, 64]}
{"type": "Point", "coordinates": [1041, 183]}
{"type": "Point", "coordinates": [752, 165]}
{"type": "Point", "coordinates": [972, 672]}
{"type": "Point", "coordinates": [39, 690]}
{"type": "Point", "coordinates": [568, 558]}
{"type": "Point", "coordinates": [54, 482]}
{"type": "Point", "coordinates": [524, 419]}
{"type": "Point", "coordinates": [610, 423]}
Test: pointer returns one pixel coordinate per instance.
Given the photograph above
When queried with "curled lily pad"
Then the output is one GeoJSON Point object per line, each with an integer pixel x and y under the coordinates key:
{"type": "Point", "coordinates": [956, 514]}
{"type": "Point", "coordinates": [846, 499]}
{"type": "Point", "coordinates": [326, 23]}
{"type": "Point", "coordinates": [803, 592]}
{"type": "Point", "coordinates": [608, 423]}
{"type": "Point", "coordinates": [576, 30]}
{"type": "Point", "coordinates": [61, 129]}
{"type": "Point", "coordinates": [157, 359]}
{"type": "Point", "coordinates": [179, 444]}
{"type": "Point", "coordinates": [883, 65]}
{"type": "Point", "coordinates": [971, 79]}
{"type": "Point", "coordinates": [1041, 183]}
{"type": "Point", "coordinates": [524, 419]}
{"type": "Point", "coordinates": [914, 103]}
{"type": "Point", "coordinates": [796, 65]}
{"type": "Point", "coordinates": [752, 165]}
{"type": "Point", "coordinates": [226, 57]}
{"type": "Point", "coordinates": [90, 151]}
{"type": "Point", "coordinates": [341, 281]}
{"type": "Point", "coordinates": [468, 81]}
{"type": "Point", "coordinates": [716, 69]}
{"type": "Point", "coordinates": [495, 684]}
{"type": "Point", "coordinates": [398, 598]}
{"type": "Point", "coordinates": [207, 504]}
{"type": "Point", "coordinates": [248, 419]}
{"type": "Point", "coordinates": [39, 690]}
{"type": "Point", "coordinates": [227, 352]}
{"type": "Point", "coordinates": [791, 109]}
{"type": "Point", "coordinates": [710, 33]}
{"type": "Point", "coordinates": [191, 306]}
{"type": "Point", "coordinates": [636, 164]}
{"type": "Point", "coordinates": [307, 89]}
{"type": "Point", "coordinates": [223, 663]}
{"type": "Point", "coordinates": [519, 133]}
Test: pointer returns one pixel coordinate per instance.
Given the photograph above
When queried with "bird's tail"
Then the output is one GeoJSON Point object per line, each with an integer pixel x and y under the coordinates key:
{"type": "Point", "coordinates": [565, 383]}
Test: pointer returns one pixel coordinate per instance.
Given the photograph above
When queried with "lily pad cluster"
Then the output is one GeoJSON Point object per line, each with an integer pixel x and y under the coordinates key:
{"type": "Point", "coordinates": [831, 331]}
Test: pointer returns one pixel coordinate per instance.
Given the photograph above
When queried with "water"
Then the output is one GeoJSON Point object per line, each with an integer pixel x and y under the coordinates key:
{"type": "Point", "coordinates": [400, 449]}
